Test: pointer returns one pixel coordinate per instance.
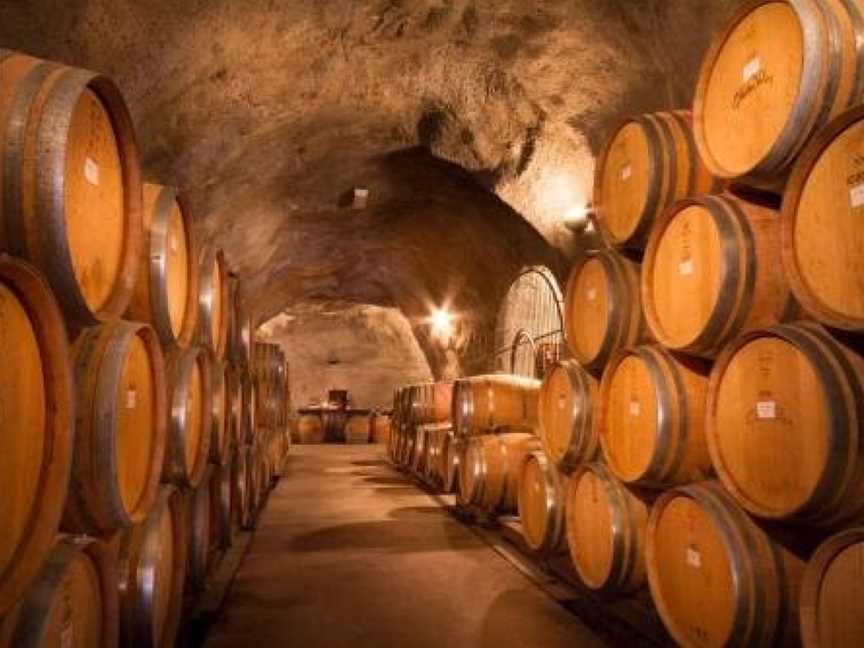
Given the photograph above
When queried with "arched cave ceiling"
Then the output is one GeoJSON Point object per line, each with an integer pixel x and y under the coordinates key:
{"type": "Point", "coordinates": [473, 124]}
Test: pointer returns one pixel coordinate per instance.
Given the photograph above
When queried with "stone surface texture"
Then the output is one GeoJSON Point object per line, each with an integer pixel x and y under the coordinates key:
{"type": "Point", "coordinates": [473, 124]}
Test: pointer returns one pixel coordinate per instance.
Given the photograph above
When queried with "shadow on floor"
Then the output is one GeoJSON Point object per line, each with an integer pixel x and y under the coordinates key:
{"type": "Point", "coordinates": [374, 462]}
{"type": "Point", "coordinates": [393, 536]}
{"type": "Point", "coordinates": [413, 512]}
{"type": "Point", "coordinates": [387, 481]}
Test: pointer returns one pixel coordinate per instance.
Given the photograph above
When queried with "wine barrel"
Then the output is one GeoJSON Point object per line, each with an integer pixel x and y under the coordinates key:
{"type": "Point", "coordinates": [189, 416]}
{"type": "Point", "coordinates": [472, 470]}
{"type": "Point", "coordinates": [166, 293]}
{"type": "Point", "coordinates": [357, 429]}
{"type": "Point", "coordinates": [249, 512]}
{"type": "Point", "coordinates": [606, 530]}
{"type": "Point", "coordinates": [221, 529]}
{"type": "Point", "coordinates": [239, 488]}
{"type": "Point", "coordinates": [832, 591]}
{"type": "Point", "coordinates": [311, 429]}
{"type": "Point", "coordinates": [435, 436]}
{"type": "Point", "coordinates": [541, 500]}
{"type": "Point", "coordinates": [220, 438]}
{"type": "Point", "coordinates": [234, 404]}
{"type": "Point", "coordinates": [213, 302]}
{"type": "Point", "coordinates": [711, 272]}
{"type": "Point", "coordinates": [568, 426]}
{"type": "Point", "coordinates": [381, 428]}
{"type": "Point", "coordinates": [774, 75]}
{"type": "Point", "coordinates": [485, 403]}
{"type": "Point", "coordinates": [454, 452]}
{"type": "Point", "coordinates": [822, 257]}
{"type": "Point", "coordinates": [490, 469]}
{"type": "Point", "coordinates": [650, 417]}
{"type": "Point", "coordinates": [249, 417]}
{"type": "Point", "coordinates": [784, 424]}
{"type": "Point", "coordinates": [717, 579]}
{"type": "Point", "coordinates": [152, 568]}
{"type": "Point", "coordinates": [73, 601]}
{"type": "Point", "coordinates": [602, 308]}
{"type": "Point", "coordinates": [36, 425]}
{"type": "Point", "coordinates": [121, 422]}
{"type": "Point", "coordinates": [419, 450]}
{"type": "Point", "coordinates": [197, 520]}
{"type": "Point", "coordinates": [71, 184]}
{"type": "Point", "coordinates": [434, 402]}
{"type": "Point", "coordinates": [240, 342]}
{"type": "Point", "coordinates": [648, 162]}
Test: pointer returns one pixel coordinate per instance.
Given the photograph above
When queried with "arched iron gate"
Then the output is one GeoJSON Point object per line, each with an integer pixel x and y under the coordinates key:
{"type": "Point", "coordinates": [529, 328]}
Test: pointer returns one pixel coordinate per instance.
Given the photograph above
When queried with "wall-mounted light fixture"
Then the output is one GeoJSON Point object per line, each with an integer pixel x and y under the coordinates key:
{"type": "Point", "coordinates": [441, 325]}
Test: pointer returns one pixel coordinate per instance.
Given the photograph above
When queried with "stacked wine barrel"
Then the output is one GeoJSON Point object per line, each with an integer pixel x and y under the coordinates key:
{"type": "Point", "coordinates": [470, 437]}
{"type": "Point", "coordinates": [121, 395]}
{"type": "Point", "coordinates": [711, 419]}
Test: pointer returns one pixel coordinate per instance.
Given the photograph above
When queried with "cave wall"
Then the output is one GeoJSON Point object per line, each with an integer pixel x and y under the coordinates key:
{"type": "Point", "coordinates": [474, 125]}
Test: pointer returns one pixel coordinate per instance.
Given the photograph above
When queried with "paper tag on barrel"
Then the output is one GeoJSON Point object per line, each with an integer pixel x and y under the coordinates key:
{"type": "Point", "coordinates": [766, 410]}
{"type": "Point", "coordinates": [91, 172]}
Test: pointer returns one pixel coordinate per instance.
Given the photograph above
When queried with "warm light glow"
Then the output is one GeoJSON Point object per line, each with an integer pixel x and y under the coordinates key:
{"type": "Point", "coordinates": [442, 322]}
{"type": "Point", "coordinates": [576, 214]}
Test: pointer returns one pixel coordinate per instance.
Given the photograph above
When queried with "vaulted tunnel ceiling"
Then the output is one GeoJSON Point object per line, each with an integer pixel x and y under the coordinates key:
{"type": "Point", "coordinates": [472, 123]}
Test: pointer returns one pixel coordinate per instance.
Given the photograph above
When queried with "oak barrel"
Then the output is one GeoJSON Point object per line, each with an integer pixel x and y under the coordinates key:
{"type": "Point", "coordinates": [166, 292]}
{"type": "Point", "coordinates": [239, 488]}
{"type": "Point", "coordinates": [121, 421]}
{"type": "Point", "coordinates": [568, 426]}
{"type": "Point", "coordinates": [36, 424]}
{"type": "Point", "coordinates": [197, 520]}
{"type": "Point", "coordinates": [252, 485]}
{"type": "Point", "coordinates": [381, 428]}
{"type": "Point", "coordinates": [717, 578]}
{"type": "Point", "coordinates": [485, 403]}
{"type": "Point", "coordinates": [822, 229]}
{"type": "Point", "coordinates": [220, 438]}
{"type": "Point", "coordinates": [240, 343]}
{"type": "Point", "coordinates": [249, 417]}
{"type": "Point", "coordinates": [606, 530]}
{"type": "Point", "coordinates": [453, 453]}
{"type": "Point", "coordinates": [602, 308]}
{"type": "Point", "coordinates": [72, 603]}
{"type": "Point", "coordinates": [213, 301]}
{"type": "Point", "coordinates": [832, 592]}
{"type": "Point", "coordinates": [785, 424]}
{"type": "Point", "coordinates": [221, 494]}
{"type": "Point", "coordinates": [189, 416]}
{"type": "Point", "coordinates": [490, 469]}
{"type": "Point", "coordinates": [711, 272]}
{"type": "Point", "coordinates": [540, 501]}
{"type": "Point", "coordinates": [71, 184]}
{"type": "Point", "coordinates": [434, 402]}
{"type": "Point", "coordinates": [651, 417]}
{"type": "Point", "coordinates": [234, 403]}
{"type": "Point", "coordinates": [774, 75]}
{"type": "Point", "coordinates": [358, 429]}
{"type": "Point", "coordinates": [310, 428]}
{"type": "Point", "coordinates": [152, 571]}
{"type": "Point", "coordinates": [648, 162]}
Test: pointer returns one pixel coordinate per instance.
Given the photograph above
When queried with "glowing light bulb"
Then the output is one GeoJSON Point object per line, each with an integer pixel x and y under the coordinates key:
{"type": "Point", "coordinates": [442, 322]}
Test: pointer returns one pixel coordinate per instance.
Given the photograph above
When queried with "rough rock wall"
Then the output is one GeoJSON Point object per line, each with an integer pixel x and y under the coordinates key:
{"type": "Point", "coordinates": [369, 350]}
{"type": "Point", "coordinates": [268, 113]}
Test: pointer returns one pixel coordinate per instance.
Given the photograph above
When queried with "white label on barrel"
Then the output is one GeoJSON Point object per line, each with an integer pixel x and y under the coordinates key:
{"type": "Point", "coordinates": [626, 172]}
{"type": "Point", "coordinates": [694, 558]}
{"type": "Point", "coordinates": [766, 410]}
{"type": "Point", "coordinates": [91, 172]}
{"type": "Point", "coordinates": [592, 294]}
{"type": "Point", "coordinates": [67, 635]}
{"type": "Point", "coordinates": [131, 398]}
{"type": "Point", "coordinates": [635, 409]}
{"type": "Point", "coordinates": [685, 268]}
{"type": "Point", "coordinates": [751, 69]}
{"type": "Point", "coordinates": [856, 195]}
